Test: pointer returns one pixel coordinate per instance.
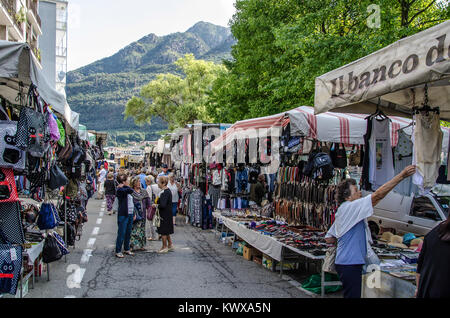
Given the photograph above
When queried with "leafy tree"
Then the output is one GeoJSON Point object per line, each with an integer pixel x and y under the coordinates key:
{"type": "Point", "coordinates": [177, 100]}
{"type": "Point", "coordinates": [284, 45]}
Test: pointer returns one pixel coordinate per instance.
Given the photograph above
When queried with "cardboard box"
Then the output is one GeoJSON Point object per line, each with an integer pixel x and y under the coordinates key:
{"type": "Point", "coordinates": [268, 263]}
{"type": "Point", "coordinates": [248, 252]}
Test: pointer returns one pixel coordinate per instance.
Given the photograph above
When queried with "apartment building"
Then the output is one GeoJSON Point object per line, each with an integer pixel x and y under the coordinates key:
{"type": "Point", "coordinates": [53, 42]}
{"type": "Point", "coordinates": [20, 22]}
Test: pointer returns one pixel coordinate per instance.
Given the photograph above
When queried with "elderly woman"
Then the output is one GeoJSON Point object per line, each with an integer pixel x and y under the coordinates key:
{"type": "Point", "coordinates": [151, 229]}
{"type": "Point", "coordinates": [352, 232]}
{"type": "Point", "coordinates": [138, 235]}
{"type": "Point", "coordinates": [175, 188]}
{"type": "Point", "coordinates": [165, 211]}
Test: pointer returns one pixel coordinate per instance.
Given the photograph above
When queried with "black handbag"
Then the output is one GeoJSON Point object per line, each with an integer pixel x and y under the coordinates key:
{"type": "Point", "coordinates": [57, 178]}
{"type": "Point", "coordinates": [51, 252]}
{"type": "Point", "coordinates": [33, 134]}
{"type": "Point", "coordinates": [339, 157]}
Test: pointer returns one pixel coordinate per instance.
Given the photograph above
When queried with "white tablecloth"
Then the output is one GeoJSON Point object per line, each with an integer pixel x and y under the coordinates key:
{"type": "Point", "coordinates": [34, 252]}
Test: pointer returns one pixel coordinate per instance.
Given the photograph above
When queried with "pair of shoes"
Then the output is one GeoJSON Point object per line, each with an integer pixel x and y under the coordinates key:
{"type": "Point", "coordinates": [129, 253]}
{"type": "Point", "coordinates": [163, 251]}
{"type": "Point", "coordinates": [119, 255]}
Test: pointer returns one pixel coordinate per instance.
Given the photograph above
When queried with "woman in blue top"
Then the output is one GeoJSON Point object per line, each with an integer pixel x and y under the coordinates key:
{"type": "Point", "coordinates": [125, 216]}
{"type": "Point", "coordinates": [352, 232]}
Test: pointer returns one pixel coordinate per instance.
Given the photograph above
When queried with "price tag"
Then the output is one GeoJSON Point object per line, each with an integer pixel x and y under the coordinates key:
{"type": "Point", "coordinates": [13, 254]}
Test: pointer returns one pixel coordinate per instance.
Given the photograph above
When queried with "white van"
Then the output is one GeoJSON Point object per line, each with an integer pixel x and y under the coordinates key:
{"type": "Point", "coordinates": [417, 215]}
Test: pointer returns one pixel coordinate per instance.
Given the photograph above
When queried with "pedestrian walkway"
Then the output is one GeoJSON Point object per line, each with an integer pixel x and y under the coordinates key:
{"type": "Point", "coordinates": [200, 267]}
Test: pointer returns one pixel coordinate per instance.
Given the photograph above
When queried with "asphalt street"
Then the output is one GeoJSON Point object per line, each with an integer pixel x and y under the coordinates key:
{"type": "Point", "coordinates": [200, 267]}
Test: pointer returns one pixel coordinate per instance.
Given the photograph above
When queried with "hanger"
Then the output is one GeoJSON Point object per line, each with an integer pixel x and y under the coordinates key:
{"type": "Point", "coordinates": [379, 114]}
{"type": "Point", "coordinates": [425, 107]}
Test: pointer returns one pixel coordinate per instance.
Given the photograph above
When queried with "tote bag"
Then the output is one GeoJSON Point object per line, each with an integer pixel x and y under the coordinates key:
{"type": "Point", "coordinates": [157, 219]}
{"type": "Point", "coordinates": [10, 155]}
{"type": "Point", "coordinates": [10, 265]}
{"type": "Point", "coordinates": [11, 223]}
{"type": "Point", "coordinates": [32, 130]}
{"type": "Point", "coordinates": [8, 190]}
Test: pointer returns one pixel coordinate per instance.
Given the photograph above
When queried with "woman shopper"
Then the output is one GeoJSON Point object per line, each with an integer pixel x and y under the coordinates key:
{"type": "Point", "coordinates": [433, 266]}
{"type": "Point", "coordinates": [352, 233]}
{"type": "Point", "coordinates": [174, 188]}
{"type": "Point", "coordinates": [151, 229]}
{"type": "Point", "coordinates": [165, 211]}
{"type": "Point", "coordinates": [110, 192]}
{"type": "Point", "coordinates": [138, 235]}
{"type": "Point", "coordinates": [124, 216]}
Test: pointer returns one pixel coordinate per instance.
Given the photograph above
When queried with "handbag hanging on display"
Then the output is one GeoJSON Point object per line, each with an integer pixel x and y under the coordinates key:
{"type": "Point", "coordinates": [8, 190]}
{"type": "Point", "coordinates": [10, 156]}
{"type": "Point", "coordinates": [11, 223]}
{"type": "Point", "coordinates": [355, 157]}
{"type": "Point", "coordinates": [51, 251]}
{"type": "Point", "coordinates": [57, 178]}
{"type": "Point", "coordinates": [32, 130]}
{"type": "Point", "coordinates": [48, 217]}
{"type": "Point", "coordinates": [339, 157]}
{"type": "Point", "coordinates": [10, 265]}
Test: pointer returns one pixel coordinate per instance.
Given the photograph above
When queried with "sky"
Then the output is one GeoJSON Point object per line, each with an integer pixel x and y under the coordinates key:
{"type": "Point", "coordinates": [100, 28]}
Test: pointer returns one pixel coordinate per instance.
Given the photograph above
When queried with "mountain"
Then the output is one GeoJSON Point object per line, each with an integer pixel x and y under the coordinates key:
{"type": "Point", "coordinates": [99, 91]}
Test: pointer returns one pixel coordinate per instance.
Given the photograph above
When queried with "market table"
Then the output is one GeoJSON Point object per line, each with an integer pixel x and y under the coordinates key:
{"type": "Point", "coordinates": [268, 245]}
{"type": "Point", "coordinates": [390, 287]}
{"type": "Point", "coordinates": [33, 254]}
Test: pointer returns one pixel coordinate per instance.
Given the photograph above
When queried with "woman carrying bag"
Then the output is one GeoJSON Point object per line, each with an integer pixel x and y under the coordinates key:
{"type": "Point", "coordinates": [138, 236]}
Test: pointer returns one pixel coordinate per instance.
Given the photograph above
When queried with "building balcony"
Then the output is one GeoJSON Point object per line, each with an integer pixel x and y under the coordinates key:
{"type": "Point", "coordinates": [10, 18]}
{"type": "Point", "coordinates": [33, 16]}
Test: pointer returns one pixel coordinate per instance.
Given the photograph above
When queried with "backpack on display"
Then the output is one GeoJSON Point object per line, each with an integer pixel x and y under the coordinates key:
{"type": "Point", "coordinates": [48, 217]}
{"type": "Point", "coordinates": [323, 168]}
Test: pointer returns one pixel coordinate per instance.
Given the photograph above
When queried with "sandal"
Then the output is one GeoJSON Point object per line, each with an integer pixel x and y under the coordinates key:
{"type": "Point", "coordinates": [171, 249]}
{"type": "Point", "coordinates": [129, 253]}
{"type": "Point", "coordinates": [119, 255]}
{"type": "Point", "coordinates": [163, 251]}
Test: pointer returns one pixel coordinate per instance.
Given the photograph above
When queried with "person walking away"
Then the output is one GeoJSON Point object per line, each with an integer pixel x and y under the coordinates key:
{"type": "Point", "coordinates": [433, 266]}
{"type": "Point", "coordinates": [142, 176]}
{"type": "Point", "coordinates": [124, 216]}
{"type": "Point", "coordinates": [174, 188]}
{"type": "Point", "coordinates": [110, 192]}
{"type": "Point", "coordinates": [165, 211]}
{"type": "Point", "coordinates": [351, 230]}
{"type": "Point", "coordinates": [101, 181]}
{"type": "Point", "coordinates": [151, 229]}
{"type": "Point", "coordinates": [138, 235]}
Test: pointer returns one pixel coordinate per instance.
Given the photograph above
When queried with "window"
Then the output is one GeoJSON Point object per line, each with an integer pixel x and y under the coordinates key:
{"type": "Point", "coordinates": [423, 208]}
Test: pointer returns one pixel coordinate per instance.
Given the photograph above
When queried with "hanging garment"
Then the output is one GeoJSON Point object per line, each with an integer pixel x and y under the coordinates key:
{"type": "Point", "coordinates": [381, 160]}
{"type": "Point", "coordinates": [403, 157]}
{"type": "Point", "coordinates": [427, 150]}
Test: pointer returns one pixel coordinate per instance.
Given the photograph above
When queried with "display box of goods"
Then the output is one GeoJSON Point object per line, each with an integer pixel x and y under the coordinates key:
{"type": "Point", "coordinates": [257, 260]}
{"type": "Point", "coordinates": [409, 258]}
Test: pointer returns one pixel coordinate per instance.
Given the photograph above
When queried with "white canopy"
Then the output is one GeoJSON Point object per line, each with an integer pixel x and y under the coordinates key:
{"type": "Point", "coordinates": [17, 66]}
{"type": "Point", "coordinates": [343, 128]}
{"type": "Point", "coordinates": [397, 74]}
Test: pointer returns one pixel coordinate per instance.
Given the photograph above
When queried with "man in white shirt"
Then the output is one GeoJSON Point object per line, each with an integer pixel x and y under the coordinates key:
{"type": "Point", "coordinates": [101, 180]}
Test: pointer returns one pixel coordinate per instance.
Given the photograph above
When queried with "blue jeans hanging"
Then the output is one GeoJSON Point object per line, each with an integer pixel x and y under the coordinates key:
{"type": "Point", "coordinates": [207, 215]}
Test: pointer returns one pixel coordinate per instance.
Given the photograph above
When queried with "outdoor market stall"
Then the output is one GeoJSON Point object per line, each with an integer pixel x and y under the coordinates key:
{"type": "Point", "coordinates": [410, 77]}
{"type": "Point", "coordinates": [40, 153]}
